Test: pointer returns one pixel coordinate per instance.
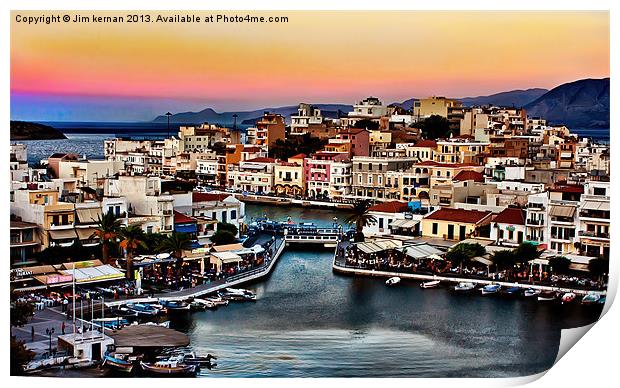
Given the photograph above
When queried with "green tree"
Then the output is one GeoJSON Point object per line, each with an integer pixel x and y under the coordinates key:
{"type": "Point", "coordinates": [526, 252]}
{"type": "Point", "coordinates": [223, 237]}
{"type": "Point", "coordinates": [361, 218]}
{"type": "Point", "coordinates": [366, 124]}
{"type": "Point", "coordinates": [434, 127]}
{"type": "Point", "coordinates": [175, 243]}
{"type": "Point", "coordinates": [225, 226]}
{"type": "Point", "coordinates": [504, 259]}
{"type": "Point", "coordinates": [598, 267]}
{"type": "Point", "coordinates": [20, 356]}
{"type": "Point", "coordinates": [464, 252]}
{"type": "Point", "coordinates": [107, 229]}
{"type": "Point", "coordinates": [132, 237]}
{"type": "Point", "coordinates": [21, 313]}
{"type": "Point", "coordinates": [559, 264]}
{"type": "Point", "coordinates": [306, 143]}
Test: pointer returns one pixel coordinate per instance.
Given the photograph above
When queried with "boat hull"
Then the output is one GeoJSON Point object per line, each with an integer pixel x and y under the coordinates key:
{"type": "Point", "coordinates": [179, 370]}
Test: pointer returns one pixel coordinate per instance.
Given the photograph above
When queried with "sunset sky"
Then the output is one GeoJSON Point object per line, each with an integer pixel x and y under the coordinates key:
{"type": "Point", "coordinates": [133, 72]}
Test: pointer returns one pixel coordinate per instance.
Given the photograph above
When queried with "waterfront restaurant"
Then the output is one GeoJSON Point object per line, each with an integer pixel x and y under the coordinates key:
{"type": "Point", "coordinates": [390, 254]}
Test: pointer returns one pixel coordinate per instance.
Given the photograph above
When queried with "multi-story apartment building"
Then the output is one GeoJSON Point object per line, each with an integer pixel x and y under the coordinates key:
{"type": "Point", "coordinates": [252, 176]}
{"type": "Point", "coordinates": [537, 218]}
{"type": "Point", "coordinates": [289, 177]}
{"type": "Point", "coordinates": [318, 170]}
{"type": "Point", "coordinates": [201, 138]}
{"type": "Point", "coordinates": [370, 173]}
{"type": "Point", "coordinates": [427, 107]}
{"type": "Point", "coordinates": [459, 150]}
{"type": "Point", "coordinates": [269, 128]}
{"type": "Point", "coordinates": [307, 117]}
{"type": "Point", "coordinates": [564, 217]}
{"type": "Point", "coordinates": [25, 243]}
{"type": "Point", "coordinates": [370, 108]}
{"type": "Point", "coordinates": [594, 219]}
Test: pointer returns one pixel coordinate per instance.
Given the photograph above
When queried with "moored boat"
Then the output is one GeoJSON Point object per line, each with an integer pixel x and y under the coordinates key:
{"type": "Point", "coordinates": [206, 304]}
{"type": "Point", "coordinates": [172, 367]}
{"type": "Point", "coordinates": [431, 284]}
{"type": "Point", "coordinates": [238, 294]}
{"type": "Point", "coordinates": [392, 281]}
{"type": "Point", "coordinates": [143, 309]}
{"type": "Point", "coordinates": [568, 297]}
{"type": "Point", "coordinates": [590, 299]}
{"type": "Point", "coordinates": [602, 300]}
{"type": "Point", "coordinates": [173, 305]}
{"type": "Point", "coordinates": [464, 287]}
{"type": "Point", "coordinates": [511, 292]}
{"type": "Point", "coordinates": [491, 289]}
{"type": "Point", "coordinates": [531, 293]}
{"type": "Point", "coordinates": [217, 300]}
{"type": "Point", "coordinates": [117, 363]}
{"type": "Point", "coordinates": [548, 296]}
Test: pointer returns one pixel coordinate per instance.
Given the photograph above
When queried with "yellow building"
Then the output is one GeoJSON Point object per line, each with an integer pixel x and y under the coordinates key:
{"type": "Point", "coordinates": [426, 107]}
{"type": "Point", "coordinates": [456, 224]}
{"type": "Point", "coordinates": [289, 178]}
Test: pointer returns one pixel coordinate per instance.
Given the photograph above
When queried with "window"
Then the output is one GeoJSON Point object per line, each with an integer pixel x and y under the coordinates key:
{"type": "Point", "coordinates": [599, 191]}
{"type": "Point", "coordinates": [380, 223]}
{"type": "Point", "coordinates": [233, 215]}
{"type": "Point", "coordinates": [435, 228]}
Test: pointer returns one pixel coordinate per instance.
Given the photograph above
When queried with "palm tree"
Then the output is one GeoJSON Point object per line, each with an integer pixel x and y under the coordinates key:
{"type": "Point", "coordinates": [108, 227]}
{"type": "Point", "coordinates": [361, 218]}
{"type": "Point", "coordinates": [464, 252]}
{"type": "Point", "coordinates": [559, 264]}
{"type": "Point", "coordinates": [132, 237]}
{"type": "Point", "coordinates": [175, 243]}
{"type": "Point", "coordinates": [504, 259]}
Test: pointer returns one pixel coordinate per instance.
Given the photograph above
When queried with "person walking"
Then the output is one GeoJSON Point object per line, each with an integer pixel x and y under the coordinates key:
{"type": "Point", "coordinates": [32, 333]}
{"type": "Point", "coordinates": [62, 327]}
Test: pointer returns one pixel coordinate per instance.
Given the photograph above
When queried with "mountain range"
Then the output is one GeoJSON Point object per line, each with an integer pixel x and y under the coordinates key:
{"type": "Point", "coordinates": [580, 104]}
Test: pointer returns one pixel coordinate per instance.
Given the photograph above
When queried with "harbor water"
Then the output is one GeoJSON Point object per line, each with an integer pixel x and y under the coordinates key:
{"type": "Point", "coordinates": [309, 322]}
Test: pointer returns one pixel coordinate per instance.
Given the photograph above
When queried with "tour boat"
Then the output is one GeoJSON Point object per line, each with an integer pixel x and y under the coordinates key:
{"type": "Point", "coordinates": [531, 292]}
{"type": "Point", "coordinates": [174, 366]}
{"type": "Point", "coordinates": [143, 309]}
{"type": "Point", "coordinates": [432, 284]}
{"type": "Point", "coordinates": [548, 296]}
{"type": "Point", "coordinates": [464, 287]}
{"type": "Point", "coordinates": [590, 298]}
{"type": "Point", "coordinates": [491, 289]}
{"type": "Point", "coordinates": [173, 305]}
{"type": "Point", "coordinates": [392, 281]}
{"type": "Point", "coordinates": [238, 294]}
{"type": "Point", "coordinates": [568, 297]}
{"type": "Point", "coordinates": [118, 364]}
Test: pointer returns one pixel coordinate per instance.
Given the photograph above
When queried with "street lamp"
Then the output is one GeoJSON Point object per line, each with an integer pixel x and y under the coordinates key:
{"type": "Point", "coordinates": [50, 332]}
{"type": "Point", "coordinates": [168, 114]}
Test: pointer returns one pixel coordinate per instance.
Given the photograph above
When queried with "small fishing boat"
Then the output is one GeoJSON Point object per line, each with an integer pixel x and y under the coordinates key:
{"type": "Point", "coordinates": [203, 303]}
{"type": "Point", "coordinates": [590, 299]}
{"type": "Point", "coordinates": [548, 296]}
{"type": "Point", "coordinates": [392, 281]}
{"type": "Point", "coordinates": [511, 292]}
{"type": "Point", "coordinates": [173, 367]}
{"type": "Point", "coordinates": [464, 287]}
{"type": "Point", "coordinates": [173, 305]}
{"type": "Point", "coordinates": [490, 289]}
{"type": "Point", "coordinates": [602, 300]}
{"type": "Point", "coordinates": [117, 363]}
{"type": "Point", "coordinates": [217, 300]}
{"type": "Point", "coordinates": [192, 359]}
{"type": "Point", "coordinates": [238, 294]}
{"type": "Point", "coordinates": [111, 323]}
{"type": "Point", "coordinates": [531, 293]}
{"type": "Point", "coordinates": [431, 284]}
{"type": "Point", "coordinates": [568, 297]}
{"type": "Point", "coordinates": [144, 309]}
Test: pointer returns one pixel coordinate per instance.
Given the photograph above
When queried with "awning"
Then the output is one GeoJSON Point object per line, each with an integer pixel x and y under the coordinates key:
{"type": "Point", "coordinates": [482, 260]}
{"type": "Point", "coordinates": [227, 257]}
{"type": "Point", "coordinates": [378, 246]}
{"type": "Point", "coordinates": [88, 215]}
{"type": "Point", "coordinates": [419, 251]}
{"type": "Point", "coordinates": [95, 274]}
{"type": "Point", "coordinates": [228, 247]}
{"type": "Point", "coordinates": [596, 205]}
{"type": "Point", "coordinates": [562, 211]}
{"type": "Point", "coordinates": [63, 234]}
{"type": "Point", "coordinates": [404, 223]}
{"type": "Point", "coordinates": [85, 233]}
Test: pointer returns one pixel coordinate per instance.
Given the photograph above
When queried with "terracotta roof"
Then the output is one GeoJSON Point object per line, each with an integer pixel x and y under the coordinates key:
{"type": "Point", "coordinates": [511, 215]}
{"type": "Point", "coordinates": [180, 218]}
{"type": "Point", "coordinates": [252, 149]}
{"type": "Point", "coordinates": [426, 144]}
{"type": "Point", "coordinates": [390, 207]}
{"type": "Point", "coordinates": [298, 156]}
{"type": "Point", "coordinates": [468, 175]}
{"type": "Point", "coordinates": [459, 215]}
{"type": "Point", "coordinates": [261, 160]}
{"type": "Point", "coordinates": [567, 189]}
{"type": "Point", "coordinates": [208, 197]}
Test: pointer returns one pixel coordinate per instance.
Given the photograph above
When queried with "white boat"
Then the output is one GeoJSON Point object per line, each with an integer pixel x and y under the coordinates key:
{"type": "Point", "coordinates": [217, 300]}
{"type": "Point", "coordinates": [491, 289]}
{"type": "Point", "coordinates": [206, 303]}
{"type": "Point", "coordinates": [238, 294]}
{"type": "Point", "coordinates": [432, 284]}
{"type": "Point", "coordinates": [531, 292]}
{"type": "Point", "coordinates": [569, 297]}
{"type": "Point", "coordinates": [590, 298]}
{"type": "Point", "coordinates": [548, 296]}
{"type": "Point", "coordinates": [464, 287]}
{"type": "Point", "coordinates": [392, 281]}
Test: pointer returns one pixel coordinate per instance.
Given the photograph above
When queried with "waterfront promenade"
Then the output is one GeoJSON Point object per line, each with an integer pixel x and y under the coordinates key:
{"type": "Point", "coordinates": [339, 266]}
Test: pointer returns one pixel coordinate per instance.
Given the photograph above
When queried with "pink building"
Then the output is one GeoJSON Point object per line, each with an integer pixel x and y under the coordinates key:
{"type": "Point", "coordinates": [317, 169]}
{"type": "Point", "coordinates": [359, 138]}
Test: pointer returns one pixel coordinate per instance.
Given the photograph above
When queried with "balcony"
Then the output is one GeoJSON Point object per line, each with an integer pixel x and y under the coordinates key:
{"type": "Point", "coordinates": [530, 222]}
{"type": "Point", "coordinates": [167, 212]}
{"type": "Point", "coordinates": [61, 226]}
{"type": "Point", "coordinates": [592, 234]}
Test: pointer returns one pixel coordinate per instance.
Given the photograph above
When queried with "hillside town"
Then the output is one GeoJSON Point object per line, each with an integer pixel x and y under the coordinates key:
{"type": "Point", "coordinates": [408, 185]}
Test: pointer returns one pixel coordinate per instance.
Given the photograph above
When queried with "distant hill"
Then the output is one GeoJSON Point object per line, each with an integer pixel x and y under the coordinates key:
{"type": "Point", "coordinates": [579, 104]}
{"type": "Point", "coordinates": [247, 117]}
{"type": "Point", "coordinates": [24, 130]}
